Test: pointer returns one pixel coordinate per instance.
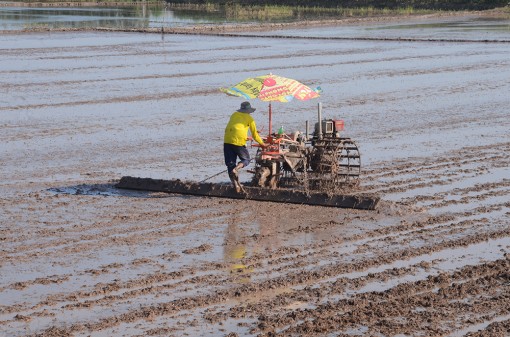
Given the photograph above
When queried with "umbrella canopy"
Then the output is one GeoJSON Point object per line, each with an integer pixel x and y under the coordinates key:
{"type": "Point", "coordinates": [272, 88]}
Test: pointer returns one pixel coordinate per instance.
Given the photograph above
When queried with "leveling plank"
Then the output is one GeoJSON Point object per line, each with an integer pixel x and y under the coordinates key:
{"type": "Point", "coordinates": [366, 202]}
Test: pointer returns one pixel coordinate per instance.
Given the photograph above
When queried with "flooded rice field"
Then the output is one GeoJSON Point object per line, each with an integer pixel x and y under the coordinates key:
{"type": "Point", "coordinates": [79, 257]}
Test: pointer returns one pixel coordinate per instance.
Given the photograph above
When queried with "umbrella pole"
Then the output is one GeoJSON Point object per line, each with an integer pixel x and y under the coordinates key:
{"type": "Point", "coordinates": [270, 120]}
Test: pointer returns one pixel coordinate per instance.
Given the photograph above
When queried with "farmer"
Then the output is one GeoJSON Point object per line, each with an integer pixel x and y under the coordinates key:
{"type": "Point", "coordinates": [236, 133]}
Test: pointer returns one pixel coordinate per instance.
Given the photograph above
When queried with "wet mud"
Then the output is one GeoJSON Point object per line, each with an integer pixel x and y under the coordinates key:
{"type": "Point", "coordinates": [79, 257]}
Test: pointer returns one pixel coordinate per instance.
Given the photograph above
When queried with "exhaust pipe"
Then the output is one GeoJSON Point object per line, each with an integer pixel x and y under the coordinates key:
{"type": "Point", "coordinates": [319, 115]}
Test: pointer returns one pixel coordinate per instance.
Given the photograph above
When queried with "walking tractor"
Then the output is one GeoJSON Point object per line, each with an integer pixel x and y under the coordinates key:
{"type": "Point", "coordinates": [324, 160]}
{"type": "Point", "coordinates": [319, 168]}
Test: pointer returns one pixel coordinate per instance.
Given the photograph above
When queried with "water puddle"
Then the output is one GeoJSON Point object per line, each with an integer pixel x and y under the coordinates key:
{"type": "Point", "coordinates": [478, 327]}
{"type": "Point", "coordinates": [108, 190]}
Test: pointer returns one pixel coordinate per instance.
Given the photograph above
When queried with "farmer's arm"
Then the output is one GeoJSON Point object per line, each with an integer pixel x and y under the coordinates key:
{"type": "Point", "coordinates": [255, 134]}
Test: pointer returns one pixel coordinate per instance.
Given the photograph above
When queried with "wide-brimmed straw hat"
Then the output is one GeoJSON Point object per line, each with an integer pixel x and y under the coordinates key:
{"type": "Point", "coordinates": [246, 107]}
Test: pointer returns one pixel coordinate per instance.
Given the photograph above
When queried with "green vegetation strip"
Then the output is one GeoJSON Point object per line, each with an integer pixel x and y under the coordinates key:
{"type": "Point", "coordinates": [79, 3]}
{"type": "Point", "coordinates": [129, 2]}
{"type": "Point", "coordinates": [392, 4]}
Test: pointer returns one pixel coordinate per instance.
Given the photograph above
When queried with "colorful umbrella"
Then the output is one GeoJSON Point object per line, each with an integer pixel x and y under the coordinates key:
{"type": "Point", "coordinates": [272, 88]}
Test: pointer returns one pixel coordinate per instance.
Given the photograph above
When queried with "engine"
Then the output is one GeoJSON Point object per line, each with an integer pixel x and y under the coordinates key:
{"type": "Point", "coordinates": [329, 128]}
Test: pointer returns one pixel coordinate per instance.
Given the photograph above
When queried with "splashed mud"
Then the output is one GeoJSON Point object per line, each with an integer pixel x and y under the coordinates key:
{"type": "Point", "coordinates": [78, 257]}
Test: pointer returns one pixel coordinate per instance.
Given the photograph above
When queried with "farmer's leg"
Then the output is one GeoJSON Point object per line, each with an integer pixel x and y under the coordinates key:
{"type": "Point", "coordinates": [244, 156]}
{"type": "Point", "coordinates": [230, 153]}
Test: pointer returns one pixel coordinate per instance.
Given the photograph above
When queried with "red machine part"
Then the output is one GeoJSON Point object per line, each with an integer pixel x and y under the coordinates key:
{"type": "Point", "coordinates": [339, 125]}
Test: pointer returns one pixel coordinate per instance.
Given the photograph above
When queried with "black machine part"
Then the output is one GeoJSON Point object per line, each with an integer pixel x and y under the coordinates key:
{"type": "Point", "coordinates": [329, 128]}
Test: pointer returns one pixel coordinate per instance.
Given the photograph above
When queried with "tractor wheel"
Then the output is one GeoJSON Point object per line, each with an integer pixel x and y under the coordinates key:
{"type": "Point", "coordinates": [335, 163]}
{"type": "Point", "coordinates": [262, 176]}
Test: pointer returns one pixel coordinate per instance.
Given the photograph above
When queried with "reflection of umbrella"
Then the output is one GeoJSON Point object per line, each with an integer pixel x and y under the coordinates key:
{"type": "Point", "coordinates": [269, 88]}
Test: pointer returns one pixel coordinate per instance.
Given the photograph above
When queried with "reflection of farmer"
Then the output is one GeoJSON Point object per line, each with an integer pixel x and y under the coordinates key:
{"type": "Point", "coordinates": [234, 145]}
{"type": "Point", "coordinates": [234, 253]}
{"type": "Point", "coordinates": [245, 244]}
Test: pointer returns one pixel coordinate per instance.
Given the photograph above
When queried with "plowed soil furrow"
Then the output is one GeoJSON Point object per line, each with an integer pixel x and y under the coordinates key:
{"type": "Point", "coordinates": [445, 297]}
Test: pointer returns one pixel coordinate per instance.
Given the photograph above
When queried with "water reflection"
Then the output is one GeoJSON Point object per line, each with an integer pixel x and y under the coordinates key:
{"type": "Point", "coordinates": [142, 16]}
{"type": "Point", "coordinates": [234, 253]}
{"type": "Point", "coordinates": [247, 235]}
{"type": "Point", "coordinates": [480, 24]}
{"type": "Point", "coordinates": [139, 16]}
{"type": "Point", "coordinates": [17, 18]}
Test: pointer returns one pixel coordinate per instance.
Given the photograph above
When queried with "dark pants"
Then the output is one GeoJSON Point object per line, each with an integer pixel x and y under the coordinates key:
{"type": "Point", "coordinates": [231, 153]}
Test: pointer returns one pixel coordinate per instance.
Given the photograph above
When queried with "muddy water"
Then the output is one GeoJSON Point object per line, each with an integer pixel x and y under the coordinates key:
{"type": "Point", "coordinates": [79, 258]}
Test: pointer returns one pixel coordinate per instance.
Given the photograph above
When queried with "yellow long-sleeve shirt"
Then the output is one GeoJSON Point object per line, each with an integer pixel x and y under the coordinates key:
{"type": "Point", "coordinates": [236, 131]}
